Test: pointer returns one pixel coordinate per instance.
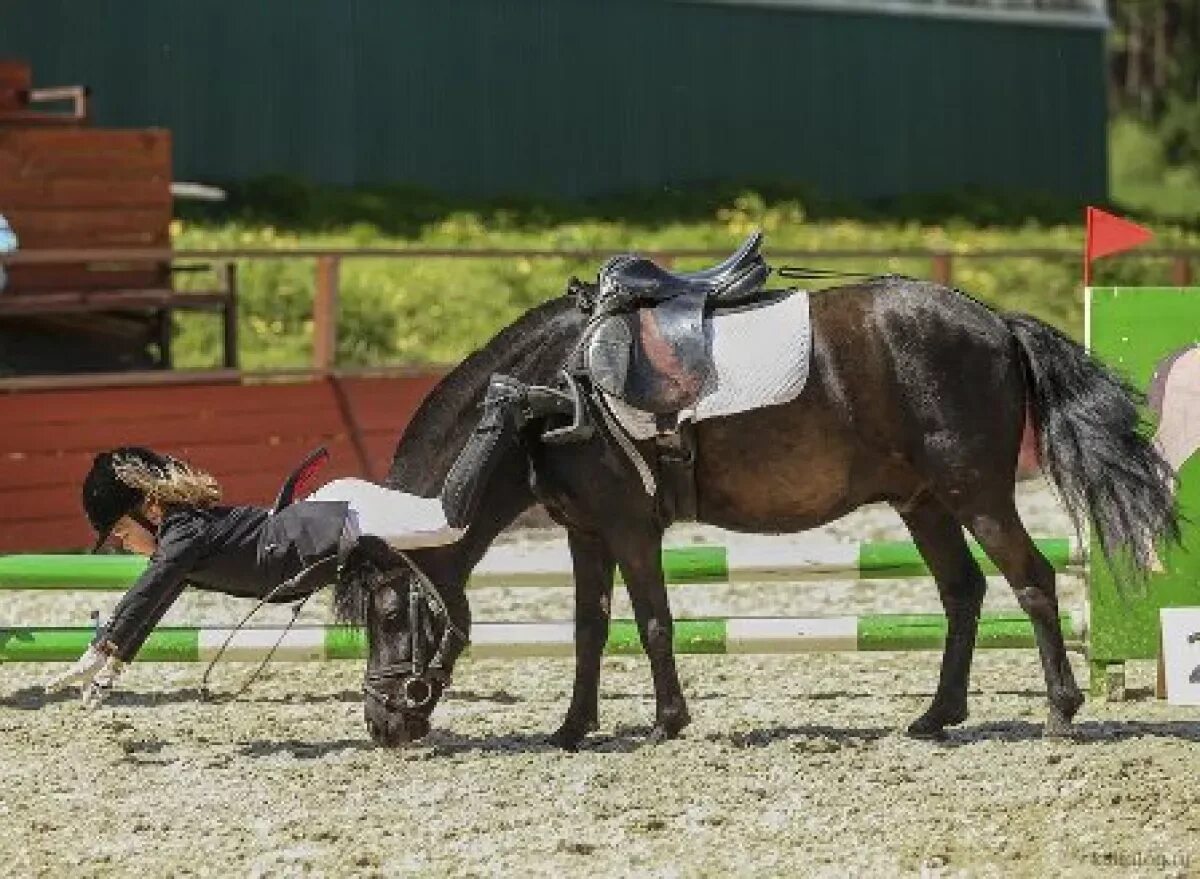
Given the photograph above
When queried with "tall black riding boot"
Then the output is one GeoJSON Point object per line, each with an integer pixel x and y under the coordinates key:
{"type": "Point", "coordinates": [503, 407]}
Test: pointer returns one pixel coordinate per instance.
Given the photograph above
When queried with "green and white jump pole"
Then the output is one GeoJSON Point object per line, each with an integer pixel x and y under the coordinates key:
{"type": "Point", "coordinates": [745, 635]}
{"type": "Point", "coordinates": [751, 560]}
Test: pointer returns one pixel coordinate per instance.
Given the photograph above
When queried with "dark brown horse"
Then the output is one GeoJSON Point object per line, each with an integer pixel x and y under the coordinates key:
{"type": "Point", "coordinates": [917, 397]}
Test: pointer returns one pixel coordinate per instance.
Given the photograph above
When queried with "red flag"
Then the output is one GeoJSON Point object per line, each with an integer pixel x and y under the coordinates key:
{"type": "Point", "coordinates": [1106, 235]}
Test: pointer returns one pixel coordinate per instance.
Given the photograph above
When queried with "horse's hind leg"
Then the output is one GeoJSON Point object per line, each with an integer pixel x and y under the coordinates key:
{"type": "Point", "coordinates": [1003, 537]}
{"type": "Point", "coordinates": [961, 585]}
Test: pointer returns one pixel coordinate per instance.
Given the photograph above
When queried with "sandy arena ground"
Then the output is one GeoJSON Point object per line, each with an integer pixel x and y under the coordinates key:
{"type": "Point", "coordinates": [793, 766]}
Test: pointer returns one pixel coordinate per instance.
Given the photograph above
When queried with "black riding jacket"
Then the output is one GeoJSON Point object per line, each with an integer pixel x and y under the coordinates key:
{"type": "Point", "coordinates": [242, 551]}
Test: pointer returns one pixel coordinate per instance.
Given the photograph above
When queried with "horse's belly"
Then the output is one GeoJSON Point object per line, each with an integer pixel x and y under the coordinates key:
{"type": "Point", "coordinates": [785, 468]}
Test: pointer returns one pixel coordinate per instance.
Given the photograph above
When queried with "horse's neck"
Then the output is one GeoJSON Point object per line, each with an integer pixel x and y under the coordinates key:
{"type": "Point", "coordinates": [450, 566]}
{"type": "Point", "coordinates": [479, 537]}
{"type": "Point", "coordinates": [533, 349]}
{"type": "Point", "coordinates": [506, 494]}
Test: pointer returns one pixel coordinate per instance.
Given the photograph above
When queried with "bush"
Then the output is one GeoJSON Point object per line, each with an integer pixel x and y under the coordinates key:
{"type": "Point", "coordinates": [1157, 173]}
{"type": "Point", "coordinates": [438, 310]}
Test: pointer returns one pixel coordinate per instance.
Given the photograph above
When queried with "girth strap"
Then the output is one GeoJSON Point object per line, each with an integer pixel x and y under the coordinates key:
{"type": "Point", "coordinates": [626, 444]}
{"type": "Point", "coordinates": [677, 473]}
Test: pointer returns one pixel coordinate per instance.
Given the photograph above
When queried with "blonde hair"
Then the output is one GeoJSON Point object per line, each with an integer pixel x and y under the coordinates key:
{"type": "Point", "coordinates": [178, 483]}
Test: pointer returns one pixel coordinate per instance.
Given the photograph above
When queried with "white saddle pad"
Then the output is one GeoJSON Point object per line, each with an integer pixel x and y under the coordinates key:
{"type": "Point", "coordinates": [404, 520]}
{"type": "Point", "coordinates": [761, 357]}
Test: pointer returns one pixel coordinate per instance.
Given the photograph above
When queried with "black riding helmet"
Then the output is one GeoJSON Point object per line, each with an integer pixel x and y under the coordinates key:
{"type": "Point", "coordinates": [105, 497]}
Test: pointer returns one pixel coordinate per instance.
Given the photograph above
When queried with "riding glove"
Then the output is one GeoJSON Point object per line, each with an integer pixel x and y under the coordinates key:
{"type": "Point", "coordinates": [84, 669]}
{"type": "Point", "coordinates": [96, 691]}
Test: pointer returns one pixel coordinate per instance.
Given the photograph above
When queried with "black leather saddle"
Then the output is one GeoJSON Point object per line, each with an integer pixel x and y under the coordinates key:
{"type": "Point", "coordinates": [645, 343]}
{"type": "Point", "coordinates": [641, 282]}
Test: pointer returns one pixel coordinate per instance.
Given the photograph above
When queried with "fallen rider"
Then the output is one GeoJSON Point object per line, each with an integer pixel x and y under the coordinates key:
{"type": "Point", "coordinates": [161, 507]}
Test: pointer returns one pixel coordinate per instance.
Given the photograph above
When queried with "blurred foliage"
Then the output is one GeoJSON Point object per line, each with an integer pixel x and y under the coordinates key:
{"type": "Point", "coordinates": [1145, 181]}
{"type": "Point", "coordinates": [1154, 97]}
{"type": "Point", "coordinates": [1154, 71]}
{"type": "Point", "coordinates": [433, 310]}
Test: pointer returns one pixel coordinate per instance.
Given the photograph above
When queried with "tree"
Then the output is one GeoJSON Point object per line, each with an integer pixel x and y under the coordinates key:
{"type": "Point", "coordinates": [1154, 70]}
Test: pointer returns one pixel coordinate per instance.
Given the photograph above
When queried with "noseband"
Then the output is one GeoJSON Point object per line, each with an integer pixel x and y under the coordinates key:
{"type": "Point", "coordinates": [418, 676]}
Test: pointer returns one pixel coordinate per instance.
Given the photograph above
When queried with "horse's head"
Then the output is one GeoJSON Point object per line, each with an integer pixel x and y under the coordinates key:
{"type": "Point", "coordinates": [403, 685]}
{"type": "Point", "coordinates": [414, 638]}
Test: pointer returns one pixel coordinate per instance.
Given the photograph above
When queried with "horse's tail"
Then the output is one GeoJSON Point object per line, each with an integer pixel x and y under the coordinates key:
{"type": "Point", "coordinates": [1087, 425]}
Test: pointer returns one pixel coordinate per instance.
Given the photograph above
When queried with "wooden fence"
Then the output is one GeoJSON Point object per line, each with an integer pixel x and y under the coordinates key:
{"type": "Point", "coordinates": [328, 262]}
{"type": "Point", "coordinates": [248, 430]}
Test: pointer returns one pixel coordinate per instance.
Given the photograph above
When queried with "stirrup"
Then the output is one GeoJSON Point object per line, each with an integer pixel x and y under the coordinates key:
{"type": "Point", "coordinates": [527, 402]}
{"type": "Point", "coordinates": [581, 428]}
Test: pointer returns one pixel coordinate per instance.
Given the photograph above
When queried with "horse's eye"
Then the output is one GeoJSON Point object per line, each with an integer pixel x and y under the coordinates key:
{"type": "Point", "coordinates": [388, 606]}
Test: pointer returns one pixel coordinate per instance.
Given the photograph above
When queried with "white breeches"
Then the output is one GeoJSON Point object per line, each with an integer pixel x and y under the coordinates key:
{"type": "Point", "coordinates": [403, 520]}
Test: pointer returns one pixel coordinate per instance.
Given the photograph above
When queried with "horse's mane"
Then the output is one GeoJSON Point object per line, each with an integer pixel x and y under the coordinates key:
{"type": "Point", "coordinates": [531, 348]}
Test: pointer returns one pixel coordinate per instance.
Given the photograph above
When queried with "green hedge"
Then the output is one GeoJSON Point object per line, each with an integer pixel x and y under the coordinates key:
{"type": "Point", "coordinates": [438, 310]}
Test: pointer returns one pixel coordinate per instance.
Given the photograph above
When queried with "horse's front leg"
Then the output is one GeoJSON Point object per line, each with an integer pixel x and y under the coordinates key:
{"type": "Point", "coordinates": [594, 567]}
{"type": "Point", "coordinates": [640, 559]}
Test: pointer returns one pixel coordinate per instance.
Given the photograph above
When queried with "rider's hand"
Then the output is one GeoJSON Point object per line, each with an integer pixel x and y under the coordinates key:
{"type": "Point", "coordinates": [84, 669]}
{"type": "Point", "coordinates": [96, 691]}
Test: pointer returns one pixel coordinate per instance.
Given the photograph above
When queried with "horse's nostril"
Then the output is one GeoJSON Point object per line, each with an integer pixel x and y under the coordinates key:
{"type": "Point", "coordinates": [417, 692]}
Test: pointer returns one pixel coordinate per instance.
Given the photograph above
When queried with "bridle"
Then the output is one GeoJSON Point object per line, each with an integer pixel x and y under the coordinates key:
{"type": "Point", "coordinates": [418, 676]}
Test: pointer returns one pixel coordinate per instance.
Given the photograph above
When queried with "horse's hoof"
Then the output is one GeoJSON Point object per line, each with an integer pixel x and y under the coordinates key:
{"type": "Point", "coordinates": [567, 740]}
{"type": "Point", "coordinates": [669, 725]}
{"type": "Point", "coordinates": [1062, 711]}
{"type": "Point", "coordinates": [932, 724]}
{"type": "Point", "coordinates": [1058, 726]}
{"type": "Point", "coordinates": [660, 734]}
{"type": "Point", "coordinates": [920, 729]}
{"type": "Point", "coordinates": [570, 736]}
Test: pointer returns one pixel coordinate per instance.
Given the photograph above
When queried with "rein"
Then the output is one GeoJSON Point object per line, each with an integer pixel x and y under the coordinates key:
{"type": "Point", "coordinates": [417, 675]}
{"type": "Point", "coordinates": [205, 693]}
{"type": "Point", "coordinates": [804, 273]}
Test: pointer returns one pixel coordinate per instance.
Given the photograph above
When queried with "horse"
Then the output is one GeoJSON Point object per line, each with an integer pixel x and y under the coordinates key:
{"type": "Point", "coordinates": [918, 396]}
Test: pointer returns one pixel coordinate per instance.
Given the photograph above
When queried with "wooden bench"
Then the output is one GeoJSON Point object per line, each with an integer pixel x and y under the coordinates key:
{"type": "Point", "coordinates": [92, 211]}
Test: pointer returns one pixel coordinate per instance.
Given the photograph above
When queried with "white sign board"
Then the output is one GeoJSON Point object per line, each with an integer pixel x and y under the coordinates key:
{"type": "Point", "coordinates": [1181, 654]}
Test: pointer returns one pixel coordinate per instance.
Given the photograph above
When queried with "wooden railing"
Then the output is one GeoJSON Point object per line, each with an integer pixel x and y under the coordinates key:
{"type": "Point", "coordinates": [328, 263]}
{"type": "Point", "coordinates": [247, 430]}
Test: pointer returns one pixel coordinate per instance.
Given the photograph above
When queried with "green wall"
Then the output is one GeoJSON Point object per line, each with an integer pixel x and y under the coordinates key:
{"type": "Point", "coordinates": [1133, 329]}
{"type": "Point", "coordinates": [581, 96]}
